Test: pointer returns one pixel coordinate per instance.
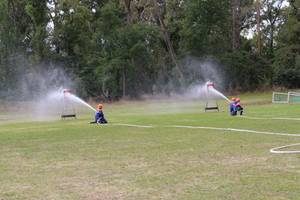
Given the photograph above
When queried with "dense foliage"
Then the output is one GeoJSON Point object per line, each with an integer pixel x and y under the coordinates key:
{"type": "Point", "coordinates": [121, 48]}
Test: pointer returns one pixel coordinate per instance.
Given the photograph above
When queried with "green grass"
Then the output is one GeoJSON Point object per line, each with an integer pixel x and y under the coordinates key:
{"type": "Point", "coordinates": [72, 159]}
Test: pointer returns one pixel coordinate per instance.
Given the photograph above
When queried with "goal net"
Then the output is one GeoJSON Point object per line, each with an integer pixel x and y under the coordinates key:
{"type": "Point", "coordinates": [294, 97]}
{"type": "Point", "coordinates": [280, 97]}
{"type": "Point", "coordinates": [290, 97]}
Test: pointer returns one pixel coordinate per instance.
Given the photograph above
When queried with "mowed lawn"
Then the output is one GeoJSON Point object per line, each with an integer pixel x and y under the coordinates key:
{"type": "Point", "coordinates": [72, 159]}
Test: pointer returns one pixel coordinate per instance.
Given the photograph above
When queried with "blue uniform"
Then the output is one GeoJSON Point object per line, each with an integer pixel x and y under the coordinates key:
{"type": "Point", "coordinates": [99, 117]}
{"type": "Point", "coordinates": [239, 108]}
{"type": "Point", "coordinates": [232, 108]}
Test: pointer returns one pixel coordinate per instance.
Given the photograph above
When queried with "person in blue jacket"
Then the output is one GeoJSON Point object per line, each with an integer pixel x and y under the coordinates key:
{"type": "Point", "coordinates": [238, 106]}
{"type": "Point", "coordinates": [232, 107]}
{"type": "Point", "coordinates": [99, 115]}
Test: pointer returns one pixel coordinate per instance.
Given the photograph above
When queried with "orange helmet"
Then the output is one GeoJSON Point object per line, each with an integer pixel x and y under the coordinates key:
{"type": "Point", "coordinates": [233, 99]}
{"type": "Point", "coordinates": [100, 106]}
{"type": "Point", "coordinates": [238, 99]}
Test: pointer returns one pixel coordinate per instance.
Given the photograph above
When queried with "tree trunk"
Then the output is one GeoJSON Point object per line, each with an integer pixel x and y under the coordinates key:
{"type": "Point", "coordinates": [165, 33]}
{"type": "Point", "coordinates": [12, 12]}
{"type": "Point", "coordinates": [124, 82]}
{"type": "Point", "coordinates": [236, 27]}
{"type": "Point", "coordinates": [258, 30]}
{"type": "Point", "coordinates": [129, 22]}
{"type": "Point", "coordinates": [167, 39]}
{"type": "Point", "coordinates": [129, 13]}
{"type": "Point", "coordinates": [272, 38]}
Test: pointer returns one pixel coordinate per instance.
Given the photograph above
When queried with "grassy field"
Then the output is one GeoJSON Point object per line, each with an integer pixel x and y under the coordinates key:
{"type": "Point", "coordinates": [72, 159]}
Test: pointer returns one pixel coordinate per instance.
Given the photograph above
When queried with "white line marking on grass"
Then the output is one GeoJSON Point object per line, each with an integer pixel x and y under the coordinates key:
{"type": "Point", "coordinates": [247, 117]}
{"type": "Point", "coordinates": [133, 125]}
{"type": "Point", "coordinates": [272, 118]}
{"type": "Point", "coordinates": [278, 149]}
{"type": "Point", "coordinates": [287, 118]}
{"type": "Point", "coordinates": [273, 150]}
{"type": "Point", "coordinates": [235, 130]}
{"type": "Point", "coordinates": [30, 129]}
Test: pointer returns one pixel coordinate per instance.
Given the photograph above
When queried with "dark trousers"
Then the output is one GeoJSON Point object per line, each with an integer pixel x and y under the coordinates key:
{"type": "Point", "coordinates": [100, 121]}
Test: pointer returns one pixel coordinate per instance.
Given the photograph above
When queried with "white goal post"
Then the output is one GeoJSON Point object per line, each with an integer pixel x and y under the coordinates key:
{"type": "Point", "coordinates": [294, 97]}
{"type": "Point", "coordinates": [289, 97]}
{"type": "Point", "coordinates": [280, 97]}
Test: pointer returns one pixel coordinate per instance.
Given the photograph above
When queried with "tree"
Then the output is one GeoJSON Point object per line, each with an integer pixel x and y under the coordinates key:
{"type": "Point", "coordinates": [14, 44]}
{"type": "Point", "coordinates": [159, 13]}
{"type": "Point", "coordinates": [258, 23]}
{"type": "Point", "coordinates": [246, 71]}
{"type": "Point", "coordinates": [205, 29]}
{"type": "Point", "coordinates": [236, 27]}
{"type": "Point", "coordinates": [125, 48]}
{"type": "Point", "coordinates": [37, 30]}
{"type": "Point", "coordinates": [242, 12]}
{"type": "Point", "coordinates": [287, 55]}
{"type": "Point", "coordinates": [272, 18]}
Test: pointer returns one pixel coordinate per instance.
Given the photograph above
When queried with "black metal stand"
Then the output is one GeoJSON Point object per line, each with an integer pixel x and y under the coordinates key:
{"type": "Point", "coordinates": [68, 116]}
{"type": "Point", "coordinates": [207, 107]}
{"type": "Point", "coordinates": [68, 109]}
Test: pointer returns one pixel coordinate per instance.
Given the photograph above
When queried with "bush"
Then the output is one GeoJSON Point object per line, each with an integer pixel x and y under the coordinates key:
{"type": "Point", "coordinates": [245, 71]}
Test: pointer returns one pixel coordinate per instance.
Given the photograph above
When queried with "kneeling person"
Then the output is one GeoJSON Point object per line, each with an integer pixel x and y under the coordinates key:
{"type": "Point", "coordinates": [232, 107]}
{"type": "Point", "coordinates": [99, 115]}
{"type": "Point", "coordinates": [238, 106]}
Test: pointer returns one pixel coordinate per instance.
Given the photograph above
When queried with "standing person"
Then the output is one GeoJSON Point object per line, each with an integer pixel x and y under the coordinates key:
{"type": "Point", "coordinates": [99, 115]}
{"type": "Point", "coordinates": [238, 106]}
{"type": "Point", "coordinates": [232, 107]}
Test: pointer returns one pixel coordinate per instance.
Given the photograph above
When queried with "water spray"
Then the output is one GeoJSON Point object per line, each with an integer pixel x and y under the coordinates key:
{"type": "Point", "coordinates": [210, 91]}
{"type": "Point", "coordinates": [68, 107]}
{"type": "Point", "coordinates": [68, 104]}
{"type": "Point", "coordinates": [76, 99]}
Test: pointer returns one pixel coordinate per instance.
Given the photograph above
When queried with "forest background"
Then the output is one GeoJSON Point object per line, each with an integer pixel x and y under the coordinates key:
{"type": "Point", "coordinates": [128, 48]}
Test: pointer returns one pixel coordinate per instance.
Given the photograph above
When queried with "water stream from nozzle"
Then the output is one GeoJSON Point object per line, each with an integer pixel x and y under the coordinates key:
{"type": "Point", "coordinates": [75, 98]}
{"type": "Point", "coordinates": [210, 88]}
{"type": "Point", "coordinates": [219, 94]}
{"type": "Point", "coordinates": [57, 96]}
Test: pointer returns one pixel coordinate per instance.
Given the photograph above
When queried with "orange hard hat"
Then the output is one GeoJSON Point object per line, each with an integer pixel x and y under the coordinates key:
{"type": "Point", "coordinates": [100, 106]}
